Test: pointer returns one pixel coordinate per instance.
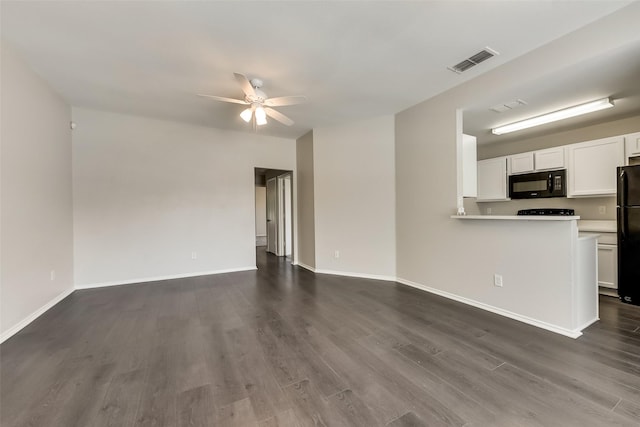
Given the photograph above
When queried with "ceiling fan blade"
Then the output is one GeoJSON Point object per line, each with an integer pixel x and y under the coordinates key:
{"type": "Point", "coordinates": [285, 100]}
{"type": "Point", "coordinates": [223, 99]}
{"type": "Point", "coordinates": [245, 84]}
{"type": "Point", "coordinates": [278, 116]}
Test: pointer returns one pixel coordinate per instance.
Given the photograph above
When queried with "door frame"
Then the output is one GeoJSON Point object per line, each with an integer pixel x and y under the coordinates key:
{"type": "Point", "coordinates": [285, 227]}
{"type": "Point", "coordinates": [281, 249]}
{"type": "Point", "coordinates": [272, 223]}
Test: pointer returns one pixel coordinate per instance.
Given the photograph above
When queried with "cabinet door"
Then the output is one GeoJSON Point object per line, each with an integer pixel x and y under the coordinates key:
{"type": "Point", "coordinates": [592, 167]}
{"type": "Point", "coordinates": [492, 179]}
{"type": "Point", "coordinates": [552, 158]}
{"type": "Point", "coordinates": [632, 144]}
{"type": "Point", "coordinates": [521, 163]}
{"type": "Point", "coordinates": [608, 266]}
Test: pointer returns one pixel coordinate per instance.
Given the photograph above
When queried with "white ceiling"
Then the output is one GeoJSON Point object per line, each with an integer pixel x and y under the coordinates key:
{"type": "Point", "coordinates": [352, 60]}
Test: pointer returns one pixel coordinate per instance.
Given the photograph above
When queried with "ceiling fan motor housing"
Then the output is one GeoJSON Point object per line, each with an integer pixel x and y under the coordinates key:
{"type": "Point", "coordinates": [259, 96]}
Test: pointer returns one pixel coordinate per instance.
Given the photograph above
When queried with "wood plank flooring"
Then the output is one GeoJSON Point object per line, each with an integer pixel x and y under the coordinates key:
{"type": "Point", "coordinates": [284, 347]}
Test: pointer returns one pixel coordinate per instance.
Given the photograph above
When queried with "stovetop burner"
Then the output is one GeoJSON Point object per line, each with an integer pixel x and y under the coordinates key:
{"type": "Point", "coordinates": [547, 211]}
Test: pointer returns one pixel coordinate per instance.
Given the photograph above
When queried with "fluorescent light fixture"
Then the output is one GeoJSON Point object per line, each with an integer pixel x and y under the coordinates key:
{"type": "Point", "coordinates": [246, 115]}
{"type": "Point", "coordinates": [261, 116]}
{"type": "Point", "coordinates": [577, 110]}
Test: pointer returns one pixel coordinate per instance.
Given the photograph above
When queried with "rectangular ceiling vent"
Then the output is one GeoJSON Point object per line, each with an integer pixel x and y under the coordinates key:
{"type": "Point", "coordinates": [506, 106]}
{"type": "Point", "coordinates": [474, 60]}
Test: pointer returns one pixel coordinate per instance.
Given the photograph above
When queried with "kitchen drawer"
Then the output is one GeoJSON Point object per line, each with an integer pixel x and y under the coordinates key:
{"type": "Point", "coordinates": [608, 239]}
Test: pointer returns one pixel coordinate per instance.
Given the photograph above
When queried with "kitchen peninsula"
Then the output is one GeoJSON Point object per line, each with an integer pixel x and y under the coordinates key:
{"type": "Point", "coordinates": [537, 269]}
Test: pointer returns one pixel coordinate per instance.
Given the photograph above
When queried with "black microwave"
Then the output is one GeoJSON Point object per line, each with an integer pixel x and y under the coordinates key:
{"type": "Point", "coordinates": [538, 185]}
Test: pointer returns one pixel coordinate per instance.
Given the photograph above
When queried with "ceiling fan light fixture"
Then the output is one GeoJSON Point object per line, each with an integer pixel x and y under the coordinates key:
{"type": "Point", "coordinates": [566, 113]}
{"type": "Point", "coordinates": [246, 115]}
{"type": "Point", "coordinates": [261, 116]}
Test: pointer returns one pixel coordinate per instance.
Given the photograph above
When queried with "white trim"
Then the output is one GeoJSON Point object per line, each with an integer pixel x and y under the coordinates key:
{"type": "Point", "coordinates": [588, 323]}
{"type": "Point", "coordinates": [33, 316]}
{"type": "Point", "coordinates": [306, 267]}
{"type": "Point", "coordinates": [525, 319]}
{"type": "Point", "coordinates": [359, 275]}
{"type": "Point", "coordinates": [159, 278]}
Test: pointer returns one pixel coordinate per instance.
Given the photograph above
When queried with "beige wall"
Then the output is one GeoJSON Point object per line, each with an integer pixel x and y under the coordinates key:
{"type": "Point", "coordinates": [435, 250]}
{"type": "Point", "coordinates": [148, 193]}
{"type": "Point", "coordinates": [36, 227]}
{"type": "Point", "coordinates": [306, 243]}
{"type": "Point", "coordinates": [355, 197]}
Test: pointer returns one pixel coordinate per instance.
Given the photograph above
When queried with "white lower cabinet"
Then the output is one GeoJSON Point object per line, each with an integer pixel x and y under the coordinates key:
{"type": "Point", "coordinates": [608, 261]}
{"type": "Point", "coordinates": [607, 266]}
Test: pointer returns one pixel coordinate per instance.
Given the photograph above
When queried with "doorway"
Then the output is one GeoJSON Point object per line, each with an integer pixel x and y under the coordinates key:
{"type": "Point", "coordinates": [274, 211]}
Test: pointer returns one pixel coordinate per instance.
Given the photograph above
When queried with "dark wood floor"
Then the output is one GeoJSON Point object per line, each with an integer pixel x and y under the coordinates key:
{"type": "Point", "coordinates": [282, 346]}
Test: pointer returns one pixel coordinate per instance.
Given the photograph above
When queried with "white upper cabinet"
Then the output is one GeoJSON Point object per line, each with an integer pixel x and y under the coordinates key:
{"type": "Point", "coordinates": [592, 167]}
{"type": "Point", "coordinates": [492, 179]}
{"type": "Point", "coordinates": [521, 163]}
{"type": "Point", "coordinates": [541, 160]}
{"type": "Point", "coordinates": [469, 166]}
{"type": "Point", "coordinates": [552, 158]}
{"type": "Point", "coordinates": [632, 144]}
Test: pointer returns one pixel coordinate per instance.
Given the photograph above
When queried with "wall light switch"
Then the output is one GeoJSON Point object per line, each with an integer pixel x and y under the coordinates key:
{"type": "Point", "coordinates": [194, 255]}
{"type": "Point", "coordinates": [52, 275]}
{"type": "Point", "coordinates": [497, 280]}
{"type": "Point", "coordinates": [336, 254]}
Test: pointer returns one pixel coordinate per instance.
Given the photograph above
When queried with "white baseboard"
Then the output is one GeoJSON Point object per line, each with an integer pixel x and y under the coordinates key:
{"type": "Point", "coordinates": [506, 313]}
{"type": "Point", "coordinates": [358, 275]}
{"type": "Point", "coordinates": [307, 267]}
{"type": "Point", "coordinates": [33, 316]}
{"type": "Point", "coordinates": [158, 278]}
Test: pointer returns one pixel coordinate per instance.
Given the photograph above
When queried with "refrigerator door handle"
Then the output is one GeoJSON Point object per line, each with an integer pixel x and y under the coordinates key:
{"type": "Point", "coordinates": [622, 187]}
{"type": "Point", "coordinates": [622, 226]}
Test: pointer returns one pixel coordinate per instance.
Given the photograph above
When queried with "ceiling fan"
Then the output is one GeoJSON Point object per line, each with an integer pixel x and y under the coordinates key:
{"type": "Point", "coordinates": [258, 102]}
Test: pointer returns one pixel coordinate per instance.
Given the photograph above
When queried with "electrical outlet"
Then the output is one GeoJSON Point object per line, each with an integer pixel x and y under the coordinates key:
{"type": "Point", "coordinates": [497, 280]}
{"type": "Point", "coordinates": [336, 254]}
{"type": "Point", "coordinates": [602, 209]}
{"type": "Point", "coordinates": [488, 211]}
{"type": "Point", "coordinates": [52, 275]}
{"type": "Point", "coordinates": [194, 255]}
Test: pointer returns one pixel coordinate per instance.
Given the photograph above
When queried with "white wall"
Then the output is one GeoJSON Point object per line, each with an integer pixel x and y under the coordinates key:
{"type": "Point", "coordinates": [148, 193]}
{"type": "Point", "coordinates": [435, 250]}
{"type": "Point", "coordinates": [37, 218]}
{"type": "Point", "coordinates": [354, 191]}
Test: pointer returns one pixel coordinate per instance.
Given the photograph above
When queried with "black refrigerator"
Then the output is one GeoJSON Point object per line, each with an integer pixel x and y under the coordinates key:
{"type": "Point", "coordinates": [628, 210]}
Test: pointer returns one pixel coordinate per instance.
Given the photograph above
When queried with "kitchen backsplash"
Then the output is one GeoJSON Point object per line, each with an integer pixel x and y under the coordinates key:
{"type": "Point", "coordinates": [589, 208]}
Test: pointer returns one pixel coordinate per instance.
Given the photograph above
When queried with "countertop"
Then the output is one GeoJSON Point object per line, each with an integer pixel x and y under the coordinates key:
{"type": "Point", "coordinates": [598, 226]}
{"type": "Point", "coordinates": [519, 217]}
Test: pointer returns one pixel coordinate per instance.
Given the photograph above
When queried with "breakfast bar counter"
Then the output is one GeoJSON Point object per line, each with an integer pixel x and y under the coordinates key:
{"type": "Point", "coordinates": [534, 268]}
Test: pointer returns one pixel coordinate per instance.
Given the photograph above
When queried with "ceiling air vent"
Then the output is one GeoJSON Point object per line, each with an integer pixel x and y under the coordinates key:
{"type": "Point", "coordinates": [506, 106]}
{"type": "Point", "coordinates": [474, 60]}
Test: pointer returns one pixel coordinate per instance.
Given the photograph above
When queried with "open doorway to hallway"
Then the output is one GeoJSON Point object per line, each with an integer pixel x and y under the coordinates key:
{"type": "Point", "coordinates": [274, 211]}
